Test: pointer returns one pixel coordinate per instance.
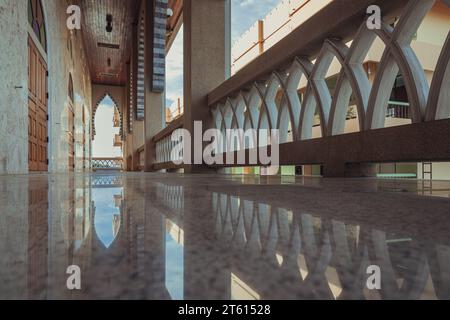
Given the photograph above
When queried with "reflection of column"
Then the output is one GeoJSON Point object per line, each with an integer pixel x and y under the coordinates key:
{"type": "Point", "coordinates": [154, 241]}
{"type": "Point", "coordinates": [38, 239]}
{"type": "Point", "coordinates": [14, 227]}
{"type": "Point", "coordinates": [61, 196]}
{"type": "Point", "coordinates": [207, 269]}
{"type": "Point", "coordinates": [439, 261]}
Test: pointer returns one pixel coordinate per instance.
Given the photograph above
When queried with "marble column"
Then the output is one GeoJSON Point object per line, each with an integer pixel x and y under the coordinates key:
{"type": "Point", "coordinates": [207, 51]}
{"type": "Point", "coordinates": [154, 101]}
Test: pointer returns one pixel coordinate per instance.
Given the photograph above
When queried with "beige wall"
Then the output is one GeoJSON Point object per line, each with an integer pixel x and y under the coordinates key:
{"type": "Point", "coordinates": [441, 171]}
{"type": "Point", "coordinates": [14, 86]}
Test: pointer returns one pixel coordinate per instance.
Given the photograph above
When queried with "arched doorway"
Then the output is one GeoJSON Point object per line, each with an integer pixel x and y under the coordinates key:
{"type": "Point", "coordinates": [37, 89]}
{"type": "Point", "coordinates": [107, 148]}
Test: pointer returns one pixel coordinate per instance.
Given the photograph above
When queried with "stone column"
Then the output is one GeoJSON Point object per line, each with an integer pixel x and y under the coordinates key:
{"type": "Point", "coordinates": [154, 101]}
{"type": "Point", "coordinates": [154, 105]}
{"type": "Point", "coordinates": [207, 60]}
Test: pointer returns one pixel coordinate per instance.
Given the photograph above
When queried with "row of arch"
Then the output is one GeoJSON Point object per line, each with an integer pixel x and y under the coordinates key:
{"type": "Point", "coordinates": [258, 108]}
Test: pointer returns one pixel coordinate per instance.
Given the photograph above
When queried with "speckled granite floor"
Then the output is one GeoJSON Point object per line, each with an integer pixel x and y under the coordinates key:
{"type": "Point", "coordinates": [153, 236]}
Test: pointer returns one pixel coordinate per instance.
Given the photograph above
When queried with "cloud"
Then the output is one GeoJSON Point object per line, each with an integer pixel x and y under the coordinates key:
{"type": "Point", "coordinates": [246, 3]}
{"type": "Point", "coordinates": [174, 71]}
{"type": "Point", "coordinates": [102, 146]}
{"type": "Point", "coordinates": [244, 14]}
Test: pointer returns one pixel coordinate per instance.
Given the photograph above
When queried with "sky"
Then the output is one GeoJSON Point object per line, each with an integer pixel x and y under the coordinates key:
{"type": "Point", "coordinates": [244, 13]}
{"type": "Point", "coordinates": [105, 209]}
{"type": "Point", "coordinates": [102, 146]}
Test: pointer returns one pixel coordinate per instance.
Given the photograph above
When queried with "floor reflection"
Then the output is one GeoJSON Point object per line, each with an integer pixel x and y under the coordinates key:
{"type": "Point", "coordinates": [138, 236]}
{"type": "Point", "coordinates": [107, 204]}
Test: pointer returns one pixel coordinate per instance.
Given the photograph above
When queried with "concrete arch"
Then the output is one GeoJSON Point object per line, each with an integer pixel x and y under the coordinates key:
{"type": "Point", "coordinates": [291, 105]}
{"type": "Point", "coordinates": [94, 112]}
{"type": "Point", "coordinates": [399, 56]}
{"type": "Point", "coordinates": [352, 79]}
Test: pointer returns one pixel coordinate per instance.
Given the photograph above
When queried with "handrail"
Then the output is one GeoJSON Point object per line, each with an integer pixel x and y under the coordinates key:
{"type": "Point", "coordinates": [174, 125]}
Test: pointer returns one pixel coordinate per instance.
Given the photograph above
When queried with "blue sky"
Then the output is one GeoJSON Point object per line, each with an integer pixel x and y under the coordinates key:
{"type": "Point", "coordinates": [105, 209]}
{"type": "Point", "coordinates": [174, 268]}
{"type": "Point", "coordinates": [244, 13]}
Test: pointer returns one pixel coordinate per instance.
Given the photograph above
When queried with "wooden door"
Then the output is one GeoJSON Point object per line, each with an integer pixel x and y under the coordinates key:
{"type": "Point", "coordinates": [37, 110]}
{"type": "Point", "coordinates": [71, 138]}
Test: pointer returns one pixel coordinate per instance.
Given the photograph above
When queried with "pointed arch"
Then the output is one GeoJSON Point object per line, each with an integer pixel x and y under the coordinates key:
{"type": "Point", "coordinates": [439, 100]}
{"type": "Point", "coordinates": [94, 112]}
{"type": "Point", "coordinates": [399, 56]}
{"type": "Point", "coordinates": [352, 80]}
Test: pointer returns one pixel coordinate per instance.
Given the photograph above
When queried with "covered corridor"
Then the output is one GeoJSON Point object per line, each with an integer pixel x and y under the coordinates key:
{"type": "Point", "coordinates": [347, 102]}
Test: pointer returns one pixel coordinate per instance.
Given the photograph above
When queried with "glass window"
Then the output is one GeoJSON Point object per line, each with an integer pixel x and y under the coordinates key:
{"type": "Point", "coordinates": [36, 21]}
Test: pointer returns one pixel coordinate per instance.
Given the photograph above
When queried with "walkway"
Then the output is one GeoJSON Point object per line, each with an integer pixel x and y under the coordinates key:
{"type": "Point", "coordinates": [219, 237]}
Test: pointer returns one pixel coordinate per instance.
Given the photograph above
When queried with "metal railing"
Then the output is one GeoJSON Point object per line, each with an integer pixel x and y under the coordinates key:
{"type": "Point", "coordinates": [107, 164]}
{"type": "Point", "coordinates": [397, 109]}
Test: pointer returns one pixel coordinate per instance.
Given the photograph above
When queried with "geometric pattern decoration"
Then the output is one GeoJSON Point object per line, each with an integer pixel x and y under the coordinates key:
{"type": "Point", "coordinates": [140, 102]}
{"type": "Point", "coordinates": [171, 196]}
{"type": "Point", "coordinates": [164, 148]}
{"type": "Point", "coordinates": [261, 107]}
{"type": "Point", "coordinates": [159, 46]}
{"type": "Point", "coordinates": [107, 164]}
{"type": "Point", "coordinates": [107, 181]}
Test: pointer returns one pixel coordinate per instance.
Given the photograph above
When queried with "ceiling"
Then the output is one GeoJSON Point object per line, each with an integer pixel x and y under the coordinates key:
{"type": "Point", "coordinates": [109, 52]}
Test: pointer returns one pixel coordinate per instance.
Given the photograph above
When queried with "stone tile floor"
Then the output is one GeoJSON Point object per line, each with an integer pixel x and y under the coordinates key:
{"type": "Point", "coordinates": [154, 236]}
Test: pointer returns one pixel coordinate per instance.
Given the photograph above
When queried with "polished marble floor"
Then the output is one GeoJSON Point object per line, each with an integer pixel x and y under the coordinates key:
{"type": "Point", "coordinates": [154, 236]}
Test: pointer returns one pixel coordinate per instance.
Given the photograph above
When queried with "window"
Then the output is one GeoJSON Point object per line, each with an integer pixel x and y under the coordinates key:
{"type": "Point", "coordinates": [37, 22]}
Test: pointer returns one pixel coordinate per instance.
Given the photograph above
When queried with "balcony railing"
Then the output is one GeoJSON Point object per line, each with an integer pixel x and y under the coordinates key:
{"type": "Point", "coordinates": [164, 157]}
{"type": "Point", "coordinates": [397, 109]}
{"type": "Point", "coordinates": [250, 99]}
{"type": "Point", "coordinates": [107, 164]}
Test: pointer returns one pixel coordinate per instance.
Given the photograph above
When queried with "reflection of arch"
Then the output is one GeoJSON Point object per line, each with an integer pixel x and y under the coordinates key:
{"type": "Point", "coordinates": [94, 112]}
